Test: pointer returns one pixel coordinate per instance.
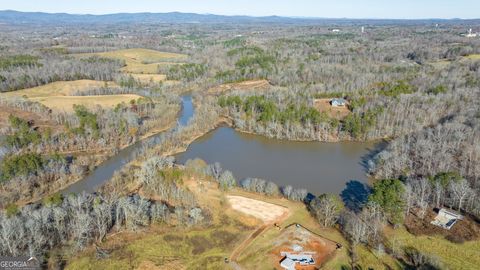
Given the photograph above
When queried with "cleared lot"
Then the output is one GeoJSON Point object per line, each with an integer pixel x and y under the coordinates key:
{"type": "Point", "coordinates": [242, 86]}
{"type": "Point", "coordinates": [323, 105]}
{"type": "Point", "coordinates": [264, 211]}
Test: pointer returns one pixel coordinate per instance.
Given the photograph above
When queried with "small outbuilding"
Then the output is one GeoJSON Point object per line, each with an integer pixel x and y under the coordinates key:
{"type": "Point", "coordinates": [446, 219]}
{"type": "Point", "coordinates": [338, 102]}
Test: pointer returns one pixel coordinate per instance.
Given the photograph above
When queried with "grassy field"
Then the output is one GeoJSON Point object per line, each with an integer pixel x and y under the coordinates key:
{"type": "Point", "coordinates": [451, 255]}
{"type": "Point", "coordinates": [142, 61]}
{"type": "Point", "coordinates": [168, 248]}
{"type": "Point", "coordinates": [149, 78]}
{"type": "Point", "coordinates": [65, 103]}
{"type": "Point", "coordinates": [57, 95]}
{"type": "Point", "coordinates": [473, 56]}
{"type": "Point", "coordinates": [60, 88]}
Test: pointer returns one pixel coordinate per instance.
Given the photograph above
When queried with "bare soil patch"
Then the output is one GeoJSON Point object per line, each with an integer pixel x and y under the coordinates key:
{"type": "Point", "coordinates": [323, 105]}
{"type": "Point", "coordinates": [466, 229]}
{"type": "Point", "coordinates": [242, 86]}
{"type": "Point", "coordinates": [264, 211]}
{"type": "Point", "coordinates": [322, 249]}
{"type": "Point", "coordinates": [37, 121]}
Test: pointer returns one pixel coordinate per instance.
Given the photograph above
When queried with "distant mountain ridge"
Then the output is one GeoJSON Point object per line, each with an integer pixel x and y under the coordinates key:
{"type": "Point", "coordinates": [18, 17]}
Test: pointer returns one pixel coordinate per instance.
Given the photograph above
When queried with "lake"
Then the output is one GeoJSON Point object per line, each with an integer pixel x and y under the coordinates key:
{"type": "Point", "coordinates": [319, 167]}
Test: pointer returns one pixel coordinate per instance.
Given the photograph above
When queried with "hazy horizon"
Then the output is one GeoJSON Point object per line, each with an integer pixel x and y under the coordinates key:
{"type": "Point", "coordinates": [366, 9]}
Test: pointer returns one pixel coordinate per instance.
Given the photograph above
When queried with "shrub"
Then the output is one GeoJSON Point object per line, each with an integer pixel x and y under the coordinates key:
{"type": "Point", "coordinates": [11, 210]}
{"type": "Point", "coordinates": [20, 165]}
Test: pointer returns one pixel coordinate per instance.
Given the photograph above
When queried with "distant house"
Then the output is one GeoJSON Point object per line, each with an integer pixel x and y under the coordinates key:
{"type": "Point", "coordinates": [335, 30]}
{"type": "Point", "coordinates": [470, 34]}
{"type": "Point", "coordinates": [446, 219]}
{"type": "Point", "coordinates": [338, 102]}
{"type": "Point", "coordinates": [290, 260]}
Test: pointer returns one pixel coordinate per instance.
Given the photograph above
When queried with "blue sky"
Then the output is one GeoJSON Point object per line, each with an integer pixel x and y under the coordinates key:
{"type": "Point", "coordinates": [402, 9]}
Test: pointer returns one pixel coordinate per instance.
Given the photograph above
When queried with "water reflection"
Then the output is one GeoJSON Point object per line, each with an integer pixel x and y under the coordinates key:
{"type": "Point", "coordinates": [319, 167]}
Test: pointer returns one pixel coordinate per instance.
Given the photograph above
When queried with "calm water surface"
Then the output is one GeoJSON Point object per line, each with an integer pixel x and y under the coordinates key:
{"type": "Point", "coordinates": [105, 171]}
{"type": "Point", "coordinates": [317, 166]}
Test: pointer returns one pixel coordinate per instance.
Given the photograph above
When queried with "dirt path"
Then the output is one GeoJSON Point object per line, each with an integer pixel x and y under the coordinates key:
{"type": "Point", "coordinates": [246, 242]}
{"type": "Point", "coordinates": [263, 228]}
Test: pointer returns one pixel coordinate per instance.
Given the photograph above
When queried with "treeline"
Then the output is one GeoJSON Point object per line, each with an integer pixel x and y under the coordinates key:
{"type": "Point", "coordinates": [53, 69]}
{"type": "Point", "coordinates": [226, 180]}
{"type": "Point", "coordinates": [76, 221]}
{"type": "Point", "coordinates": [186, 72]}
{"type": "Point", "coordinates": [22, 60]}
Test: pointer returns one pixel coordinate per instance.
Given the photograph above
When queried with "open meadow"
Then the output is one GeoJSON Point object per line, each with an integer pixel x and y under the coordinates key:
{"type": "Point", "coordinates": [65, 103]}
{"type": "Point", "coordinates": [60, 88]}
{"type": "Point", "coordinates": [141, 61]}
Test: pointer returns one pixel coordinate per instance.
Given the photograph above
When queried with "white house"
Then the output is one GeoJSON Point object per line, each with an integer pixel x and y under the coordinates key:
{"type": "Point", "coordinates": [290, 259]}
{"type": "Point", "coordinates": [338, 102]}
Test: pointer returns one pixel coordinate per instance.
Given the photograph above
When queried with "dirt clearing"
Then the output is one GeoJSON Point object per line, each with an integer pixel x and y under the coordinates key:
{"type": "Point", "coordinates": [264, 211]}
{"type": "Point", "coordinates": [38, 121]}
{"type": "Point", "coordinates": [465, 229]}
{"type": "Point", "coordinates": [323, 105]}
{"type": "Point", "coordinates": [298, 240]}
{"type": "Point", "coordinates": [242, 86]}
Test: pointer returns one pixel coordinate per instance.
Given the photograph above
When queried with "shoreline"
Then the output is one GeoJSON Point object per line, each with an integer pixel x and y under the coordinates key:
{"type": "Point", "coordinates": [103, 159]}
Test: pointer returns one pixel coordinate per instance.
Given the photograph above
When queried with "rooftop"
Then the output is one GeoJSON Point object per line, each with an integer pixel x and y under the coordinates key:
{"type": "Point", "coordinates": [446, 219]}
